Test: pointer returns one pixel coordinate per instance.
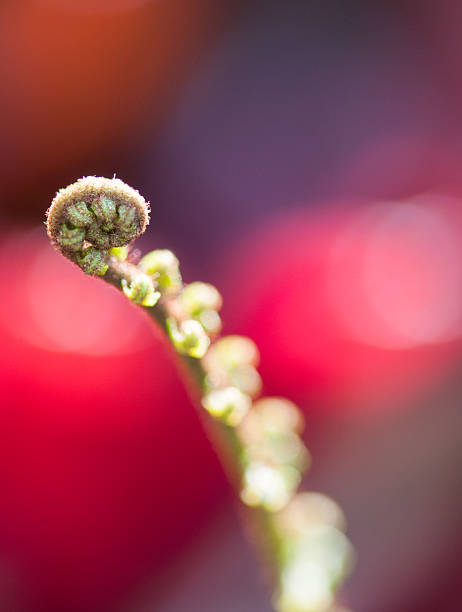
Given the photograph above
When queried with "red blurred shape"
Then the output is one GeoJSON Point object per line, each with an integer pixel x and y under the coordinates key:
{"type": "Point", "coordinates": [358, 302]}
{"type": "Point", "coordinates": [104, 469]}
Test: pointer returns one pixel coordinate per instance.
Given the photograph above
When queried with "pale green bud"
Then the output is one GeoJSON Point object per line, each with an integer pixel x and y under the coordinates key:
{"type": "Point", "coordinates": [268, 485]}
{"type": "Point", "coordinates": [210, 321]}
{"type": "Point", "coordinates": [229, 405]}
{"type": "Point", "coordinates": [270, 434]}
{"type": "Point", "coordinates": [279, 414]}
{"type": "Point", "coordinates": [278, 448]}
{"type": "Point", "coordinates": [233, 351]}
{"type": "Point", "coordinates": [197, 297]}
{"type": "Point", "coordinates": [231, 360]}
{"type": "Point", "coordinates": [314, 566]}
{"type": "Point", "coordinates": [188, 337]}
{"type": "Point", "coordinates": [141, 290]}
{"type": "Point", "coordinates": [307, 511]}
{"type": "Point", "coordinates": [165, 266]}
{"type": "Point", "coordinates": [305, 587]}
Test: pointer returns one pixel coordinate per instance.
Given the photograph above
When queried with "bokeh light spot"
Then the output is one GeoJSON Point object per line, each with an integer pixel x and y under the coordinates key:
{"type": "Point", "coordinates": [393, 278]}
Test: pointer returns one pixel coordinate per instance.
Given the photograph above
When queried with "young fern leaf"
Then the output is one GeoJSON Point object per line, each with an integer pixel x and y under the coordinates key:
{"type": "Point", "coordinates": [92, 216]}
{"type": "Point", "coordinates": [301, 535]}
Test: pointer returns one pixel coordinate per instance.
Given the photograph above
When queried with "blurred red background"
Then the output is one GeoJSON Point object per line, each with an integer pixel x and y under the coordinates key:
{"type": "Point", "coordinates": [303, 156]}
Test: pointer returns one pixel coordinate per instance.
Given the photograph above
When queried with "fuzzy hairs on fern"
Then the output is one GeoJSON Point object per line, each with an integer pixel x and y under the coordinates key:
{"type": "Point", "coordinates": [92, 216]}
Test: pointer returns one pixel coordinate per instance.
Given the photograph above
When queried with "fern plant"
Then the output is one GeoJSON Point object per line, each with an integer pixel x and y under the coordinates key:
{"type": "Point", "coordinates": [300, 535]}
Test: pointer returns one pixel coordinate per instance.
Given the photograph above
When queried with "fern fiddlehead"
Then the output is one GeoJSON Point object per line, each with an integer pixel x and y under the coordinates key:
{"type": "Point", "coordinates": [93, 223]}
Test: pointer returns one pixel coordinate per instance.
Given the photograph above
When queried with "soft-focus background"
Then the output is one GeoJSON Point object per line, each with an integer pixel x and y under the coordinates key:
{"type": "Point", "coordinates": [305, 156]}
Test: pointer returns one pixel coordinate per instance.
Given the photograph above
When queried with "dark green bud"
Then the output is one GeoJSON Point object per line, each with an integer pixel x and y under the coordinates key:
{"type": "Point", "coordinates": [70, 238]}
{"type": "Point", "coordinates": [78, 215]}
{"type": "Point", "coordinates": [92, 261]}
